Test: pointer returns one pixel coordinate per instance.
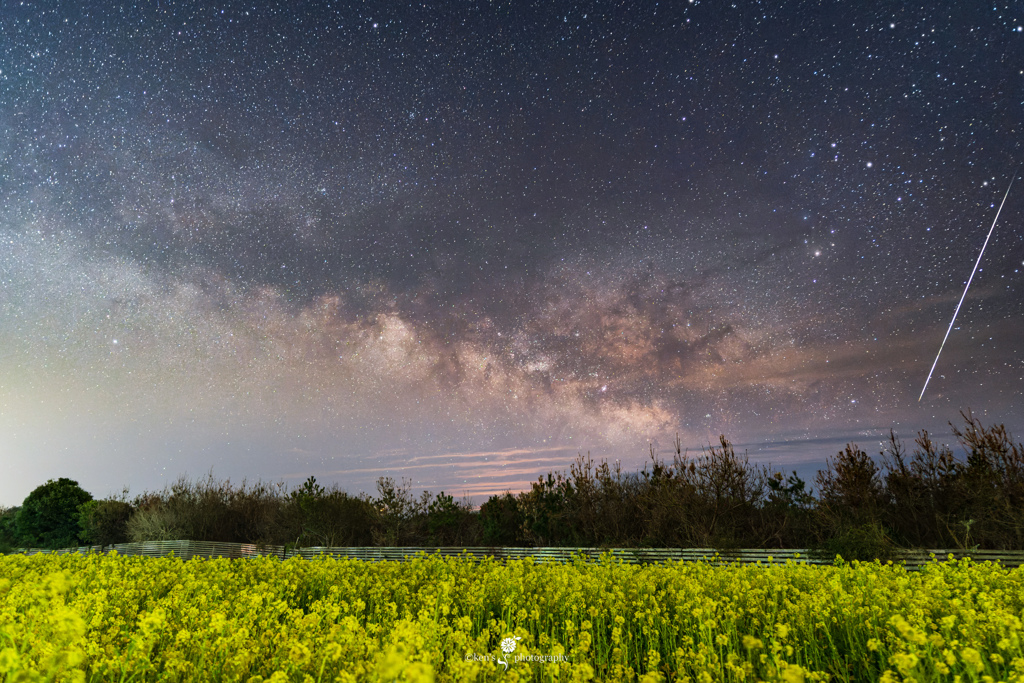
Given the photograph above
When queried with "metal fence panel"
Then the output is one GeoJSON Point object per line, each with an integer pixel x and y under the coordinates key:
{"type": "Point", "coordinates": [913, 559]}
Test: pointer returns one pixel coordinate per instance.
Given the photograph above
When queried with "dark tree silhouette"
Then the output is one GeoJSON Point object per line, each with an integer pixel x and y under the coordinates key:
{"type": "Point", "coordinates": [49, 516]}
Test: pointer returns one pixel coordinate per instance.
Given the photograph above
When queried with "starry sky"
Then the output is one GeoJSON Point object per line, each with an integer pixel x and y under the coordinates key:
{"type": "Point", "coordinates": [461, 242]}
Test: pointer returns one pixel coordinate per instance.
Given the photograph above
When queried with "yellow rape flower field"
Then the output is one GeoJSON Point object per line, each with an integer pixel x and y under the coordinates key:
{"type": "Point", "coordinates": [110, 618]}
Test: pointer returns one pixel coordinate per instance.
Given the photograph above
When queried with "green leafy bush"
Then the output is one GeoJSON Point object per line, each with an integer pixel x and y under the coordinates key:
{"type": "Point", "coordinates": [321, 516]}
{"type": "Point", "coordinates": [104, 522]}
{"type": "Point", "coordinates": [501, 521]}
{"type": "Point", "coordinates": [866, 542]}
{"type": "Point", "coordinates": [8, 529]}
{"type": "Point", "coordinates": [48, 517]}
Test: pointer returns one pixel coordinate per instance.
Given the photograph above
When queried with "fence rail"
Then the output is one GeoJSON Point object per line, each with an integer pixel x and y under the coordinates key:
{"type": "Point", "coordinates": [913, 559]}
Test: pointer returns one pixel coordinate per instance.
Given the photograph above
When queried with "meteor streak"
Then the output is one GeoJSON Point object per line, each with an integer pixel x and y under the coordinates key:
{"type": "Point", "coordinates": [964, 295]}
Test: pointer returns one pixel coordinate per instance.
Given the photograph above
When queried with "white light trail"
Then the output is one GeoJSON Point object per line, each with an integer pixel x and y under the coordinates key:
{"type": "Point", "coordinates": [964, 295]}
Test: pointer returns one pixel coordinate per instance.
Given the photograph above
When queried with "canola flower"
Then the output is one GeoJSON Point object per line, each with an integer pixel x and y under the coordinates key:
{"type": "Point", "coordinates": [110, 618]}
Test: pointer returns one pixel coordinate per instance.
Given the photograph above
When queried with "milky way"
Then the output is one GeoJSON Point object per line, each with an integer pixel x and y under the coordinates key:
{"type": "Point", "coordinates": [460, 243]}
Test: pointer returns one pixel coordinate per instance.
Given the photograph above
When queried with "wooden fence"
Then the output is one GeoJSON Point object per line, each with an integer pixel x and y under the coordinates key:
{"type": "Point", "coordinates": [913, 559]}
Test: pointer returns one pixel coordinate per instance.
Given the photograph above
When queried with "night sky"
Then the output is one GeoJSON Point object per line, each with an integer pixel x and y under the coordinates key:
{"type": "Point", "coordinates": [461, 242]}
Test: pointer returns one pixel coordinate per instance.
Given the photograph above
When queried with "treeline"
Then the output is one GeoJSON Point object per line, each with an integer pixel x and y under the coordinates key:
{"type": "Point", "coordinates": [861, 507]}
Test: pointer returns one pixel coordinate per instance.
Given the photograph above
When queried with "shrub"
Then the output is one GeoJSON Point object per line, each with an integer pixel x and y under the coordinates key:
{"type": "Point", "coordinates": [729, 491]}
{"type": "Point", "coordinates": [864, 508]}
{"type": "Point", "coordinates": [939, 500]}
{"type": "Point", "coordinates": [991, 485]}
{"type": "Point", "coordinates": [104, 522]}
{"type": "Point", "coordinates": [153, 520]}
{"type": "Point", "coordinates": [8, 529]}
{"type": "Point", "coordinates": [48, 517]}
{"type": "Point", "coordinates": [208, 510]}
{"type": "Point", "coordinates": [788, 511]}
{"type": "Point", "coordinates": [396, 513]}
{"type": "Point", "coordinates": [852, 494]}
{"type": "Point", "coordinates": [666, 501]}
{"type": "Point", "coordinates": [501, 521]}
{"type": "Point", "coordinates": [450, 522]}
{"type": "Point", "coordinates": [329, 517]}
{"type": "Point", "coordinates": [546, 510]}
{"type": "Point", "coordinates": [866, 542]}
